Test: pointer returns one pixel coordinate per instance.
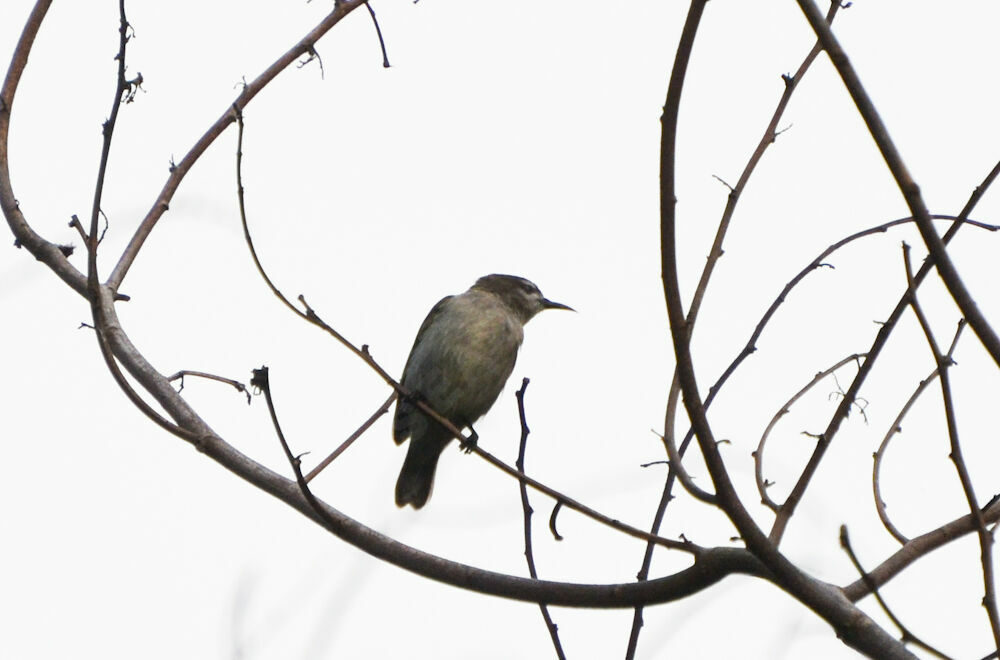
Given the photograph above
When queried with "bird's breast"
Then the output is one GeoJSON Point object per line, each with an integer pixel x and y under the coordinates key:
{"type": "Point", "coordinates": [465, 358]}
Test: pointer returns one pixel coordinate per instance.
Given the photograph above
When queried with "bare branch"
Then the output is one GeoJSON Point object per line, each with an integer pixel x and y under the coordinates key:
{"type": "Point", "coordinates": [985, 538]}
{"type": "Point", "coordinates": [529, 554]}
{"type": "Point", "coordinates": [852, 625]}
{"type": "Point", "coordinates": [758, 454]}
{"type": "Point", "coordinates": [103, 325]}
{"type": "Point", "coordinates": [383, 409]}
{"type": "Point", "coordinates": [710, 566]}
{"type": "Point", "coordinates": [378, 31]}
{"type": "Point", "coordinates": [907, 186]}
{"type": "Point", "coordinates": [716, 252]}
{"type": "Point", "coordinates": [881, 339]}
{"type": "Point", "coordinates": [895, 428]}
{"type": "Point", "coordinates": [908, 636]}
{"type": "Point", "coordinates": [249, 91]}
{"type": "Point", "coordinates": [240, 387]}
{"type": "Point", "coordinates": [918, 547]}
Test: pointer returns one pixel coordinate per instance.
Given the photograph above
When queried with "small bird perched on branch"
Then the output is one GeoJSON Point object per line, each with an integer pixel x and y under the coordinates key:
{"type": "Point", "coordinates": [463, 355]}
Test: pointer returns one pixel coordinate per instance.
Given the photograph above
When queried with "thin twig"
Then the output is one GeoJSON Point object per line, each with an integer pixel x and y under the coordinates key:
{"type": "Point", "coordinates": [313, 55]}
{"type": "Point", "coordinates": [943, 362]}
{"type": "Point", "coordinates": [758, 454]}
{"type": "Point", "coordinates": [910, 191]}
{"type": "Point", "coordinates": [247, 93]}
{"type": "Point", "coordinates": [569, 502]}
{"type": "Point", "coordinates": [880, 341]}
{"type": "Point", "coordinates": [529, 554]}
{"type": "Point", "coordinates": [908, 637]}
{"type": "Point", "coordinates": [938, 252]}
{"type": "Point", "coordinates": [894, 429]}
{"type": "Point", "coordinates": [378, 31]}
{"type": "Point", "coordinates": [874, 352]}
{"type": "Point", "coordinates": [383, 409]}
{"type": "Point", "coordinates": [261, 380]}
{"type": "Point", "coordinates": [768, 138]}
{"type": "Point", "coordinates": [240, 387]}
{"type": "Point", "coordinates": [95, 292]}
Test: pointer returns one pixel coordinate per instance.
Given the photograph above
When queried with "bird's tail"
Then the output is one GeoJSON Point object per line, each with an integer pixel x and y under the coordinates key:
{"type": "Point", "coordinates": [416, 479]}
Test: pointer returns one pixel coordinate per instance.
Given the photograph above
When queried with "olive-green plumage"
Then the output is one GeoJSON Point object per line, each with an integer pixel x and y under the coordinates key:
{"type": "Point", "coordinates": [461, 358]}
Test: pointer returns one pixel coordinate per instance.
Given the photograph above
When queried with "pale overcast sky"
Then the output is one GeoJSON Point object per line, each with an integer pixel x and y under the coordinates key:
{"type": "Point", "coordinates": [506, 137]}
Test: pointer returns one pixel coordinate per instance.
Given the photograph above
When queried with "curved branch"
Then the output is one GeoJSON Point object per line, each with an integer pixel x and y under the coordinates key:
{"type": "Point", "coordinates": [250, 90]}
{"type": "Point", "coordinates": [758, 454]}
{"type": "Point", "coordinates": [853, 626]}
{"type": "Point", "coordinates": [710, 565]}
{"type": "Point", "coordinates": [895, 428]}
{"type": "Point", "coordinates": [881, 339]}
{"type": "Point", "coordinates": [768, 138]}
{"type": "Point", "coordinates": [26, 237]}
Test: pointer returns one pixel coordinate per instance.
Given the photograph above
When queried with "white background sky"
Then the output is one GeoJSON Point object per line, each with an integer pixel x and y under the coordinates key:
{"type": "Point", "coordinates": [506, 137]}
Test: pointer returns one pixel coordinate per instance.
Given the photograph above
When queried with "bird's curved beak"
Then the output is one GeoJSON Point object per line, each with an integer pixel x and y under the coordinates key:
{"type": "Point", "coordinates": [549, 304]}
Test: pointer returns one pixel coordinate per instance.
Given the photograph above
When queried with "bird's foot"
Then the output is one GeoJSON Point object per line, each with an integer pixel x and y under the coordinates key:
{"type": "Point", "coordinates": [469, 443]}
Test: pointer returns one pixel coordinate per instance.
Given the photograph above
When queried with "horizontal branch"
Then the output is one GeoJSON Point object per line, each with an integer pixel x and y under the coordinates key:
{"type": "Point", "coordinates": [918, 547]}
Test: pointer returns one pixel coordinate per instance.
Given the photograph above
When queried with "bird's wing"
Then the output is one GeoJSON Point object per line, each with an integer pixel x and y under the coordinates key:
{"type": "Point", "coordinates": [403, 419]}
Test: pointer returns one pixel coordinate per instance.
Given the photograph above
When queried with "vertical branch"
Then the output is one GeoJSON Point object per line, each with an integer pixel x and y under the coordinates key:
{"type": "Point", "coordinates": [108, 132]}
{"type": "Point", "coordinates": [770, 133]}
{"type": "Point", "coordinates": [727, 498]}
{"type": "Point", "coordinates": [854, 627]}
{"type": "Point", "coordinates": [529, 554]}
{"type": "Point", "coordinates": [894, 428]}
{"type": "Point", "coordinates": [985, 538]}
{"type": "Point", "coordinates": [98, 295]}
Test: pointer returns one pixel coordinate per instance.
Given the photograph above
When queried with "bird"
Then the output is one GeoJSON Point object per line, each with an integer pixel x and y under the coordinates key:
{"type": "Point", "coordinates": [461, 359]}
